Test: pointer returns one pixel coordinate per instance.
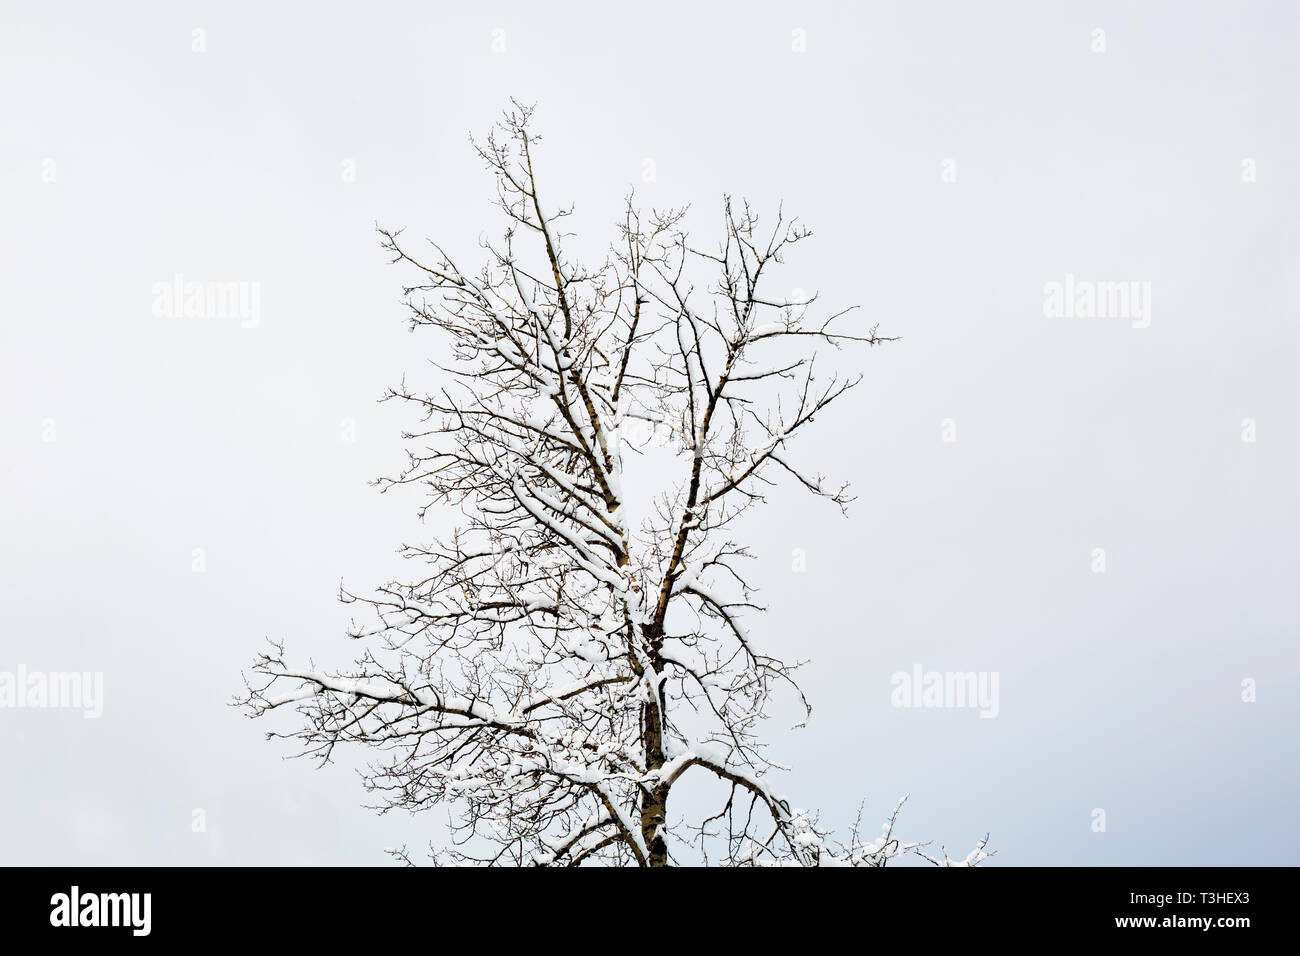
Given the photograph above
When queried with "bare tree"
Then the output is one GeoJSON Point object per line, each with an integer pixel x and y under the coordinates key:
{"type": "Point", "coordinates": [554, 672]}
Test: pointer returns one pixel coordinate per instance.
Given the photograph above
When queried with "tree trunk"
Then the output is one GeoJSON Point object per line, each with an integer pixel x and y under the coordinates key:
{"type": "Point", "coordinates": [654, 800]}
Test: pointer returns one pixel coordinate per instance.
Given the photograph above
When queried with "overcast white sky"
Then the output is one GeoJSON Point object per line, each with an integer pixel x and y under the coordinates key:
{"type": "Point", "coordinates": [129, 158]}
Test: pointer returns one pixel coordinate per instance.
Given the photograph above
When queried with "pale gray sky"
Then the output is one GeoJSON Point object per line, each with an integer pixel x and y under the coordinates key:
{"type": "Point", "coordinates": [952, 159]}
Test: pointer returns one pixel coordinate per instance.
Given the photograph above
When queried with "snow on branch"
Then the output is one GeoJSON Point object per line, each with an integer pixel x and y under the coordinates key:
{"type": "Point", "coordinates": [552, 671]}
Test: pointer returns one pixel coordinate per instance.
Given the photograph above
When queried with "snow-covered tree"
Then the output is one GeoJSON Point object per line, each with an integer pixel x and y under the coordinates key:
{"type": "Point", "coordinates": [554, 672]}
